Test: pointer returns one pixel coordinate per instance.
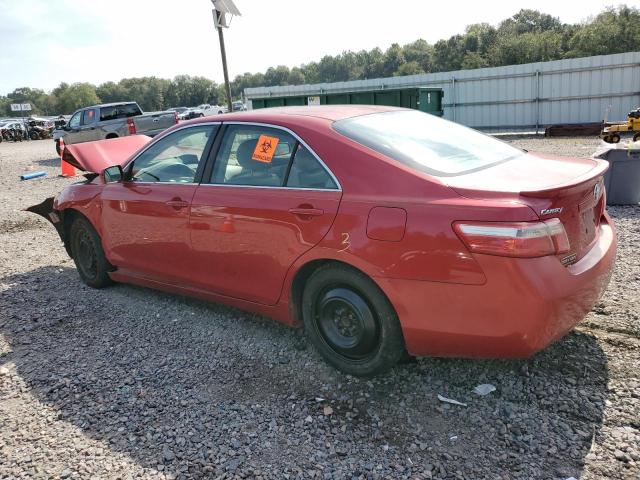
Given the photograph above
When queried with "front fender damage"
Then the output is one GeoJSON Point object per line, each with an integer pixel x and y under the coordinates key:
{"type": "Point", "coordinates": [55, 217]}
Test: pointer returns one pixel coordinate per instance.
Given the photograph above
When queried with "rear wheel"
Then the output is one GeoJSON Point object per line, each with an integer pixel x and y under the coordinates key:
{"type": "Point", "coordinates": [58, 146]}
{"type": "Point", "coordinates": [87, 253]}
{"type": "Point", "coordinates": [350, 321]}
{"type": "Point", "coordinates": [615, 138]}
{"type": "Point", "coordinates": [636, 137]}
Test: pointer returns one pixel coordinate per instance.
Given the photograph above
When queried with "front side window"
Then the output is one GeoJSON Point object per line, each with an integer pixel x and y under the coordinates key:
{"type": "Point", "coordinates": [307, 172]}
{"type": "Point", "coordinates": [174, 158]}
{"type": "Point", "coordinates": [427, 143]}
{"type": "Point", "coordinates": [254, 155]}
{"type": "Point", "coordinates": [75, 120]}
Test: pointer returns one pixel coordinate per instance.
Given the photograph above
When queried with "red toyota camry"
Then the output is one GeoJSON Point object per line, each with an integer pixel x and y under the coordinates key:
{"type": "Point", "coordinates": [381, 230]}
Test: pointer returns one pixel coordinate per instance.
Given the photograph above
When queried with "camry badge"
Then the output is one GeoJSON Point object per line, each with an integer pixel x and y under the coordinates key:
{"type": "Point", "coordinates": [596, 190]}
{"type": "Point", "coordinates": [549, 211]}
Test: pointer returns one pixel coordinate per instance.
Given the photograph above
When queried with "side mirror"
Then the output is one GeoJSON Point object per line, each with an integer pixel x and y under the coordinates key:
{"type": "Point", "coordinates": [113, 174]}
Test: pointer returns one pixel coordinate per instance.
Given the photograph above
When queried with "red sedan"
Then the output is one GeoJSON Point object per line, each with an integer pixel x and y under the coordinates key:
{"type": "Point", "coordinates": [383, 231]}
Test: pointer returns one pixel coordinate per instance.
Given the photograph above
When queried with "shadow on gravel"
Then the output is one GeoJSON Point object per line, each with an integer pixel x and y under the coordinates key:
{"type": "Point", "coordinates": [49, 162]}
{"type": "Point", "coordinates": [199, 390]}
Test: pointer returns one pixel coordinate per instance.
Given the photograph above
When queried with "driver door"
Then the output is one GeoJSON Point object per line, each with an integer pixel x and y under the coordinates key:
{"type": "Point", "coordinates": [145, 217]}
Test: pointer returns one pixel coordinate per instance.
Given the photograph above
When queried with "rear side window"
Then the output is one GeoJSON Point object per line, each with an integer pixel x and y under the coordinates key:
{"type": "Point", "coordinates": [427, 143]}
{"type": "Point", "coordinates": [254, 156]}
{"type": "Point", "coordinates": [88, 116]}
{"type": "Point", "coordinates": [307, 172]}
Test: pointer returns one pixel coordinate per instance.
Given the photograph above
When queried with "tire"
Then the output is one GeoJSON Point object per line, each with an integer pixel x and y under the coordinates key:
{"type": "Point", "coordinates": [350, 322]}
{"type": "Point", "coordinates": [87, 254]}
{"type": "Point", "coordinates": [34, 136]}
{"type": "Point", "coordinates": [615, 138]}
{"type": "Point", "coordinates": [58, 147]}
{"type": "Point", "coordinates": [636, 137]}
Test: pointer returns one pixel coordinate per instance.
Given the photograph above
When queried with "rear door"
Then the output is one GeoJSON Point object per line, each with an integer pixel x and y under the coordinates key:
{"type": "Point", "coordinates": [268, 200]}
{"type": "Point", "coordinates": [145, 218]}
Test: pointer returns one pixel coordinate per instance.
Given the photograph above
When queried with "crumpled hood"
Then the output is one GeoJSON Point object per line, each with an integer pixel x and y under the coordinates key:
{"type": "Point", "coordinates": [98, 155]}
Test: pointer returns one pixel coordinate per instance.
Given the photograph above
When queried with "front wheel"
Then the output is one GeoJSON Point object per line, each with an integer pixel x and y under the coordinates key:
{"type": "Point", "coordinates": [350, 321]}
{"type": "Point", "coordinates": [88, 255]}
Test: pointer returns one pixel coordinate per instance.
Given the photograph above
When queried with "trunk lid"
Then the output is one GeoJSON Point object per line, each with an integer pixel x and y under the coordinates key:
{"type": "Point", "coordinates": [98, 155]}
{"type": "Point", "coordinates": [570, 189]}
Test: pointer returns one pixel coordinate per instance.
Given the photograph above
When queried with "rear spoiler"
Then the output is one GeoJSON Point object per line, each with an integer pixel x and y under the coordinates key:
{"type": "Point", "coordinates": [575, 184]}
{"type": "Point", "coordinates": [98, 155]}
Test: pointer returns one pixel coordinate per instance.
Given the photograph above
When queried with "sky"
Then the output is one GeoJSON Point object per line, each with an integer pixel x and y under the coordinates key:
{"type": "Point", "coordinates": [45, 42]}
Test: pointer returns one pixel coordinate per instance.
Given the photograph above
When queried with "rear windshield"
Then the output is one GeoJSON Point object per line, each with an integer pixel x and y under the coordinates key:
{"type": "Point", "coordinates": [119, 111]}
{"type": "Point", "coordinates": [426, 143]}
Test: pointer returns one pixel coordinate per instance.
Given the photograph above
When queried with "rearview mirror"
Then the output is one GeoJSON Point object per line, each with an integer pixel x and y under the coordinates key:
{"type": "Point", "coordinates": [113, 174]}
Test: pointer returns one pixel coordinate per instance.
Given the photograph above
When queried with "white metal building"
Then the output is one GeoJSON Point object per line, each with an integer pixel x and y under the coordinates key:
{"type": "Point", "coordinates": [577, 90]}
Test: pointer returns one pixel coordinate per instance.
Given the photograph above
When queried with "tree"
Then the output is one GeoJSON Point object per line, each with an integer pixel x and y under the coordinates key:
{"type": "Point", "coordinates": [76, 96]}
{"type": "Point", "coordinates": [393, 59]}
{"type": "Point", "coordinates": [277, 76]}
{"type": "Point", "coordinates": [615, 30]}
{"type": "Point", "coordinates": [420, 52]}
{"type": "Point", "coordinates": [409, 68]}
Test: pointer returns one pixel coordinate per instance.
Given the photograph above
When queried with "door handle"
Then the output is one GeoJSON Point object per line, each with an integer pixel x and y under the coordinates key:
{"type": "Point", "coordinates": [156, 119]}
{"type": "Point", "coordinates": [307, 212]}
{"type": "Point", "coordinates": [177, 204]}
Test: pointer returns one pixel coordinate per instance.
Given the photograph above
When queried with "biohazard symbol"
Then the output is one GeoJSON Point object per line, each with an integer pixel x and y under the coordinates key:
{"type": "Point", "coordinates": [265, 149]}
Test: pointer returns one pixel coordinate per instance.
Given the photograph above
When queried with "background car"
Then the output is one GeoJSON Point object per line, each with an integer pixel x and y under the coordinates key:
{"type": "Point", "coordinates": [238, 106]}
{"type": "Point", "coordinates": [384, 231]}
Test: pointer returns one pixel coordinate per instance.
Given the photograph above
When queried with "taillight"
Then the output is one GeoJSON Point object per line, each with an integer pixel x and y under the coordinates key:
{"type": "Point", "coordinates": [514, 239]}
{"type": "Point", "coordinates": [176, 118]}
{"type": "Point", "coordinates": [131, 126]}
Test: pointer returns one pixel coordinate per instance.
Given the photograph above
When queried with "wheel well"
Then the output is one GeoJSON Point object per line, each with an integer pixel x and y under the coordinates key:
{"type": "Point", "coordinates": [68, 216]}
{"type": "Point", "coordinates": [301, 277]}
{"type": "Point", "coordinates": [111, 135]}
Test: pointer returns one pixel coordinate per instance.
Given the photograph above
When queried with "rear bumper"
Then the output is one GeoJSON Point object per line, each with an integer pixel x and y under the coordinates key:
{"type": "Point", "coordinates": [525, 305]}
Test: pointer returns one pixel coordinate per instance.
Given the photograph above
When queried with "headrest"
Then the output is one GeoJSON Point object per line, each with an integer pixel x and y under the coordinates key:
{"type": "Point", "coordinates": [244, 153]}
{"type": "Point", "coordinates": [305, 161]}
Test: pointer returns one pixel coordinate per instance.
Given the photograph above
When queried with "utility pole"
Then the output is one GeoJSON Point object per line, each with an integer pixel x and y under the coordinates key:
{"type": "Point", "coordinates": [220, 9]}
{"type": "Point", "coordinates": [223, 54]}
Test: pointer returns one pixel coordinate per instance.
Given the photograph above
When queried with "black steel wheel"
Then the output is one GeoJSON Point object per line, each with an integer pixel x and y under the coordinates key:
{"type": "Point", "coordinates": [87, 253]}
{"type": "Point", "coordinates": [346, 323]}
{"type": "Point", "coordinates": [350, 321]}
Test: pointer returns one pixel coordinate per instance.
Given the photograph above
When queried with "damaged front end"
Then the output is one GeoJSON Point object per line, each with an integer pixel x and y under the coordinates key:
{"type": "Point", "coordinates": [46, 210]}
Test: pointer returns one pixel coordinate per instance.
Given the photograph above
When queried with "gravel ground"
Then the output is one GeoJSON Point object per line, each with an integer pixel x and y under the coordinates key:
{"type": "Point", "coordinates": [131, 383]}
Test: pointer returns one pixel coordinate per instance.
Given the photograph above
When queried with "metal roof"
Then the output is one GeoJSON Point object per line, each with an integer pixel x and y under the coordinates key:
{"type": "Point", "coordinates": [529, 95]}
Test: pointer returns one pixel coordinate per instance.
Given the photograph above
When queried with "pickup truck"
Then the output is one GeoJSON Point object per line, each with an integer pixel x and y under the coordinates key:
{"type": "Point", "coordinates": [112, 120]}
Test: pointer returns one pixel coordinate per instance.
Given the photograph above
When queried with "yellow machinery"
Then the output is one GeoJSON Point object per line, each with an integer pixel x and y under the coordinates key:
{"type": "Point", "coordinates": [611, 132]}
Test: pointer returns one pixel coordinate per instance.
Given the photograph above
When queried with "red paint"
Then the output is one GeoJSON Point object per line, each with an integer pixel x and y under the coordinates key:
{"type": "Point", "coordinates": [243, 246]}
{"type": "Point", "coordinates": [98, 155]}
{"type": "Point", "coordinates": [386, 224]}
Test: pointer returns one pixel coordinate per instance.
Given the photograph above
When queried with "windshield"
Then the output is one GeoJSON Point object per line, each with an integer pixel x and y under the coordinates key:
{"type": "Point", "coordinates": [425, 142]}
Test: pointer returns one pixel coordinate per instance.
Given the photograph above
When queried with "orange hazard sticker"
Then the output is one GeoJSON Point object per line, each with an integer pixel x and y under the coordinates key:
{"type": "Point", "coordinates": [265, 148]}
